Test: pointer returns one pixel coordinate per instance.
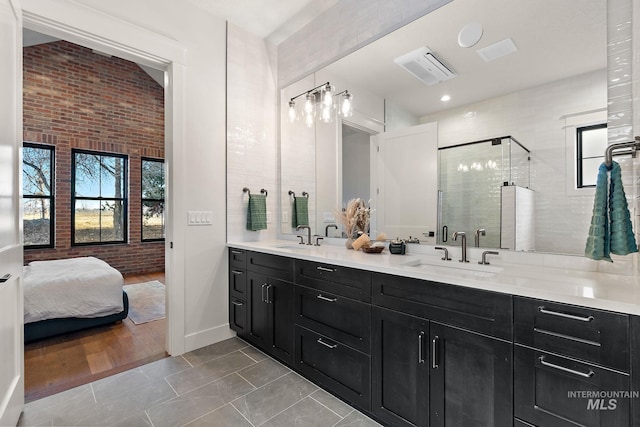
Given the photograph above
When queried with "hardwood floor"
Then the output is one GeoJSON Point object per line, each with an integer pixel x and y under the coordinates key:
{"type": "Point", "coordinates": [59, 363]}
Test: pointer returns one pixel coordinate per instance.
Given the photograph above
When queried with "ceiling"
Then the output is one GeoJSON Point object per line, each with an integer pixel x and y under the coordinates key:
{"type": "Point", "coordinates": [556, 40]}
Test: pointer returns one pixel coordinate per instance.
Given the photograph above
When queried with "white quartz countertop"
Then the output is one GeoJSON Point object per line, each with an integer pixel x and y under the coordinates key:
{"type": "Point", "coordinates": [591, 289]}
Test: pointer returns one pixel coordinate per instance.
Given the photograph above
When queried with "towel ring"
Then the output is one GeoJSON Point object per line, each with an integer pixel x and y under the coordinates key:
{"type": "Point", "coordinates": [305, 194]}
{"type": "Point", "coordinates": [263, 191]}
{"type": "Point", "coordinates": [291, 193]}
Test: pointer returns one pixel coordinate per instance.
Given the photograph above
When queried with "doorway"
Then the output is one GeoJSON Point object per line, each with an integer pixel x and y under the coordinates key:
{"type": "Point", "coordinates": [173, 73]}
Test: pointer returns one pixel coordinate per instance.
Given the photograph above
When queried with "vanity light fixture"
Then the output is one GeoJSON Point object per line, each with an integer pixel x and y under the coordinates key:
{"type": "Point", "coordinates": [320, 102]}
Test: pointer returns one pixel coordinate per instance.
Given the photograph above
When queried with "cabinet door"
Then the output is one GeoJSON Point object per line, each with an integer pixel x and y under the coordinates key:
{"type": "Point", "coordinates": [400, 370]}
{"type": "Point", "coordinates": [552, 390]}
{"type": "Point", "coordinates": [279, 296]}
{"type": "Point", "coordinates": [238, 316]}
{"type": "Point", "coordinates": [470, 379]}
{"type": "Point", "coordinates": [257, 310]}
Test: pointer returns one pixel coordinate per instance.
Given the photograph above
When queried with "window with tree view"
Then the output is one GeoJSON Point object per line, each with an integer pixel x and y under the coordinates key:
{"type": "Point", "coordinates": [152, 199]}
{"type": "Point", "coordinates": [99, 198]}
{"type": "Point", "coordinates": [38, 197]}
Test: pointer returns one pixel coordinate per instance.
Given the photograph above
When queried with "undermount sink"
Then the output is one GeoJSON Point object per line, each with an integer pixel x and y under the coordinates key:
{"type": "Point", "coordinates": [294, 247]}
{"type": "Point", "coordinates": [455, 268]}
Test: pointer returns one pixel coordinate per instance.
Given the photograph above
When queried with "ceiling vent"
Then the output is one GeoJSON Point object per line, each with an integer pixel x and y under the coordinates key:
{"type": "Point", "coordinates": [423, 64]}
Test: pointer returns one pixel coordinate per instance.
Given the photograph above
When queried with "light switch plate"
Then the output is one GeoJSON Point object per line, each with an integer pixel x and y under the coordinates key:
{"type": "Point", "coordinates": [199, 218]}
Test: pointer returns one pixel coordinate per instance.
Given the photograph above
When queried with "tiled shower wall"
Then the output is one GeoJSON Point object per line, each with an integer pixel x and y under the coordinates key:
{"type": "Point", "coordinates": [252, 149]}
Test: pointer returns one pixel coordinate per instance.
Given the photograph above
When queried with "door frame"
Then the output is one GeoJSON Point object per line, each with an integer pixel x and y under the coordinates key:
{"type": "Point", "coordinates": [90, 28]}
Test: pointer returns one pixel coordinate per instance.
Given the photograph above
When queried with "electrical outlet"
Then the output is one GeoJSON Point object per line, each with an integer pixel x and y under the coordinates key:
{"type": "Point", "coordinates": [285, 217]}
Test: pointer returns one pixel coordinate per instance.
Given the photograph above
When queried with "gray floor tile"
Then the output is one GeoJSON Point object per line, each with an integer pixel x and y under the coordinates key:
{"type": "Point", "coordinates": [263, 372]}
{"type": "Point", "coordinates": [332, 402]}
{"type": "Point", "coordinates": [188, 407]}
{"type": "Point", "coordinates": [44, 411]}
{"type": "Point", "coordinates": [305, 413]}
{"type": "Point", "coordinates": [204, 354]}
{"type": "Point", "coordinates": [226, 416]}
{"type": "Point", "coordinates": [254, 353]}
{"type": "Point", "coordinates": [357, 419]}
{"type": "Point", "coordinates": [137, 420]}
{"type": "Point", "coordinates": [269, 400]}
{"type": "Point", "coordinates": [195, 377]}
{"type": "Point", "coordinates": [164, 367]}
{"type": "Point", "coordinates": [113, 386]}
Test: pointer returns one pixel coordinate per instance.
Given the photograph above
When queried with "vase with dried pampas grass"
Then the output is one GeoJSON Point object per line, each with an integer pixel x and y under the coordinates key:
{"type": "Point", "coordinates": [355, 219]}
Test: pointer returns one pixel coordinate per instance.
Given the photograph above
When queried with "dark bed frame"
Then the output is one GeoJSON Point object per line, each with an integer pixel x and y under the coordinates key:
{"type": "Point", "coordinates": [50, 327]}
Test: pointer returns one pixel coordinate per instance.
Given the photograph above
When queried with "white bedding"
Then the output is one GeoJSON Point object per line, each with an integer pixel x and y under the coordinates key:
{"type": "Point", "coordinates": [76, 287]}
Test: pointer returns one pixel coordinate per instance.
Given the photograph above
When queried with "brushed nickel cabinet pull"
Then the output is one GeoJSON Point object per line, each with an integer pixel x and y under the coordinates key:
{"type": "Point", "coordinates": [238, 303]}
{"type": "Point", "coordinates": [332, 346]}
{"type": "Point", "coordinates": [565, 315]}
{"type": "Point", "coordinates": [5, 278]}
{"type": "Point", "coordinates": [434, 352]}
{"type": "Point", "coordinates": [237, 272]}
{"type": "Point", "coordinates": [330, 270]}
{"type": "Point", "coordinates": [568, 370]}
{"type": "Point", "coordinates": [421, 347]}
{"type": "Point", "coordinates": [322, 297]}
{"type": "Point", "coordinates": [269, 301]}
{"type": "Point", "coordinates": [264, 299]}
{"type": "Point", "coordinates": [236, 252]}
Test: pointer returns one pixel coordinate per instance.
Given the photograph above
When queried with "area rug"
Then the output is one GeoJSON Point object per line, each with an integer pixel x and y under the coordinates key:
{"type": "Point", "coordinates": [146, 301]}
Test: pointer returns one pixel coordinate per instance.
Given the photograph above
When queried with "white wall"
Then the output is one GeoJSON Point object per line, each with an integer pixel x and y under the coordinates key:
{"type": "Point", "coordinates": [252, 155]}
{"type": "Point", "coordinates": [535, 118]}
{"type": "Point", "coordinates": [197, 165]}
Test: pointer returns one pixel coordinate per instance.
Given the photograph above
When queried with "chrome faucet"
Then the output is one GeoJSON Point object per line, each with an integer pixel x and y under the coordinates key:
{"type": "Point", "coordinates": [463, 244]}
{"type": "Point", "coordinates": [326, 229]}
{"type": "Point", "coordinates": [446, 253]}
{"type": "Point", "coordinates": [484, 257]}
{"type": "Point", "coordinates": [479, 231]}
{"type": "Point", "coordinates": [300, 227]}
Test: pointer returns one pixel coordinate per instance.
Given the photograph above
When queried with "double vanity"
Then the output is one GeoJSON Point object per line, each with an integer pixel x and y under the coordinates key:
{"type": "Point", "coordinates": [417, 341]}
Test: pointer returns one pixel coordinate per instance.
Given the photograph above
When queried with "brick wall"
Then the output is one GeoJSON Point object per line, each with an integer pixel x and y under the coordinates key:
{"type": "Point", "coordinates": [74, 98]}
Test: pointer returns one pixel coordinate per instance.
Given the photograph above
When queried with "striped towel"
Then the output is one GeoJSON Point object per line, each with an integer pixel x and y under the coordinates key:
{"type": "Point", "coordinates": [257, 212]}
{"type": "Point", "coordinates": [611, 231]}
{"type": "Point", "coordinates": [300, 214]}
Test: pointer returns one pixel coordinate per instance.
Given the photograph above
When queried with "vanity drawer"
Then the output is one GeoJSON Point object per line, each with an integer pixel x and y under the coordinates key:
{"type": "Point", "coordinates": [238, 283]}
{"type": "Point", "coordinates": [476, 310]}
{"type": "Point", "coordinates": [237, 258]}
{"type": "Point", "coordinates": [238, 315]}
{"type": "Point", "coordinates": [341, 369]}
{"type": "Point", "coordinates": [344, 281]}
{"type": "Point", "coordinates": [588, 334]}
{"type": "Point", "coordinates": [543, 383]}
{"type": "Point", "coordinates": [271, 265]}
{"type": "Point", "coordinates": [342, 319]}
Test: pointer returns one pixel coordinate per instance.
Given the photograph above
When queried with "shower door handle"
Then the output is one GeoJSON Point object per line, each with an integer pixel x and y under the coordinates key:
{"type": "Point", "coordinates": [445, 232]}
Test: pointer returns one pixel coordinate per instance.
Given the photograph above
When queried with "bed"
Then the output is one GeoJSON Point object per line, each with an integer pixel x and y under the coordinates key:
{"type": "Point", "coordinates": [67, 295]}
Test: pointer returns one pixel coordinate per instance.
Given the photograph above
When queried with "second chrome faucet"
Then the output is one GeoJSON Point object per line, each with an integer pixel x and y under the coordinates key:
{"type": "Point", "coordinates": [463, 244]}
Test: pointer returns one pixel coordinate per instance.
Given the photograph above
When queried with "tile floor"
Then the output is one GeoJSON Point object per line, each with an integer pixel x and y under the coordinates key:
{"type": "Point", "coordinates": [226, 384]}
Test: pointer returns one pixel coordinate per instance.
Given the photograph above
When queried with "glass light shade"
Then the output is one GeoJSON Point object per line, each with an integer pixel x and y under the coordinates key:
{"type": "Point", "coordinates": [327, 95]}
{"type": "Point", "coordinates": [292, 111]}
{"type": "Point", "coordinates": [325, 114]}
{"type": "Point", "coordinates": [308, 119]}
{"type": "Point", "coordinates": [310, 104]}
{"type": "Point", "coordinates": [347, 105]}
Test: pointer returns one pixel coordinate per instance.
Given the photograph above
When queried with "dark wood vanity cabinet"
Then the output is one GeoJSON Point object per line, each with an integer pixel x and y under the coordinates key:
{"type": "Point", "coordinates": [564, 356]}
{"type": "Point", "coordinates": [265, 303]}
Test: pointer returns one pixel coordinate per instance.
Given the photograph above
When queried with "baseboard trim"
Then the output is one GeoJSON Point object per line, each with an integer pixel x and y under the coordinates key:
{"type": "Point", "coordinates": [207, 337]}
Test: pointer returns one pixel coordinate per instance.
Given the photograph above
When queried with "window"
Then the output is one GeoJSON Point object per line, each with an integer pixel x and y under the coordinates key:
{"type": "Point", "coordinates": [38, 195]}
{"type": "Point", "coordinates": [592, 142]}
{"type": "Point", "coordinates": [152, 199]}
{"type": "Point", "coordinates": [99, 198]}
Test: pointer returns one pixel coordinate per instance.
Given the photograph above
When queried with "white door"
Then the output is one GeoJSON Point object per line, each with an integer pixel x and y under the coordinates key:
{"type": "Point", "coordinates": [11, 256]}
{"type": "Point", "coordinates": [404, 184]}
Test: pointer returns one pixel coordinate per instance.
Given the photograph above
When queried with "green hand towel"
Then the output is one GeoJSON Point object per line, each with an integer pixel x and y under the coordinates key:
{"type": "Point", "coordinates": [623, 241]}
{"type": "Point", "coordinates": [300, 214]}
{"type": "Point", "coordinates": [598, 242]}
{"type": "Point", "coordinates": [257, 212]}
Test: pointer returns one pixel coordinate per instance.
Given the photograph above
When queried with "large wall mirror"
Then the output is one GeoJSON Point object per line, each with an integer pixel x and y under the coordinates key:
{"type": "Point", "coordinates": [492, 145]}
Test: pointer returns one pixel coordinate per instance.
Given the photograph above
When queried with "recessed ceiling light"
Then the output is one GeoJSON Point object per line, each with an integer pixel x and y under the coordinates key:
{"type": "Point", "coordinates": [445, 98]}
{"type": "Point", "coordinates": [470, 34]}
